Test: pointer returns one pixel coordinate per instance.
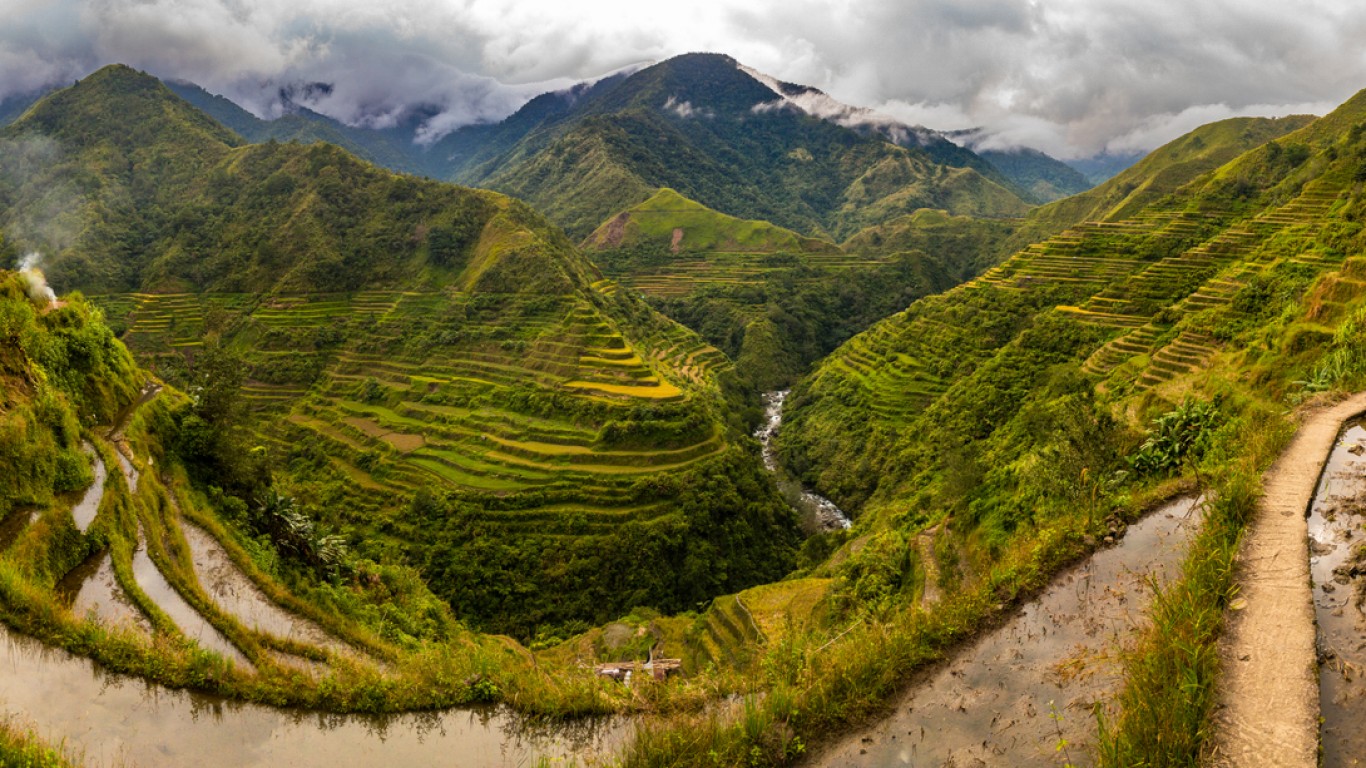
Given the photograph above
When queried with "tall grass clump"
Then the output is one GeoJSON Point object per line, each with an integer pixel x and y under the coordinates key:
{"type": "Point", "coordinates": [21, 748]}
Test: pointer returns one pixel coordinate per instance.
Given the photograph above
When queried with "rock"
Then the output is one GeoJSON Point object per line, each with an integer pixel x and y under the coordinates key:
{"type": "Point", "coordinates": [1109, 540]}
{"type": "Point", "coordinates": [1357, 449]}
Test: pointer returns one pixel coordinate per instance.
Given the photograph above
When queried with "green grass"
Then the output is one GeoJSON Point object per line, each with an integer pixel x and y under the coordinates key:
{"type": "Point", "coordinates": [21, 748]}
{"type": "Point", "coordinates": [653, 223]}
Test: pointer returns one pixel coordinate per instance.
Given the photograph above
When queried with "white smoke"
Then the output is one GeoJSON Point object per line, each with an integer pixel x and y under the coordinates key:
{"type": "Point", "coordinates": [38, 289]}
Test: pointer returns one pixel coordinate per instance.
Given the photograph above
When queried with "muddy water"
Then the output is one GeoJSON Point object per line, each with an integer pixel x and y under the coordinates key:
{"type": "Point", "coordinates": [112, 717]}
{"type": "Point", "coordinates": [1006, 699]}
{"type": "Point", "coordinates": [818, 512]}
{"type": "Point", "coordinates": [236, 594]}
{"type": "Point", "coordinates": [92, 588]}
{"type": "Point", "coordinates": [149, 390]}
{"type": "Point", "coordinates": [186, 618]}
{"type": "Point", "coordinates": [129, 472]}
{"type": "Point", "coordinates": [1336, 532]}
{"type": "Point", "coordinates": [85, 509]}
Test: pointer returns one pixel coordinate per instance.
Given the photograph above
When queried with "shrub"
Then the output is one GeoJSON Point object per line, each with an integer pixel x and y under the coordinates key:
{"type": "Point", "coordinates": [1176, 436]}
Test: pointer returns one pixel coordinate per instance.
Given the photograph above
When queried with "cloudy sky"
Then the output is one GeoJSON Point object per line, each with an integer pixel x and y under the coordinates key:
{"type": "Point", "coordinates": [1072, 77]}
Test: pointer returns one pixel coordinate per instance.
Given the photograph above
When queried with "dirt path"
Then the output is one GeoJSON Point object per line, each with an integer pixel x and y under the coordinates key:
{"type": "Point", "coordinates": [1269, 695]}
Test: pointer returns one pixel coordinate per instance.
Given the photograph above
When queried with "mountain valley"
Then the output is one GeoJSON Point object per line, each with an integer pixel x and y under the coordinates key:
{"type": "Point", "coordinates": [495, 445]}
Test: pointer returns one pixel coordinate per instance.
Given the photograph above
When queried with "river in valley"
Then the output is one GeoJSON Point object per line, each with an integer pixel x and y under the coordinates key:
{"type": "Point", "coordinates": [1338, 566]}
{"type": "Point", "coordinates": [1010, 696]}
{"type": "Point", "coordinates": [817, 512]}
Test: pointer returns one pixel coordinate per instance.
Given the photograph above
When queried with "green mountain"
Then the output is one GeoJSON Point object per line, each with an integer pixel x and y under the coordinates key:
{"type": "Point", "coordinates": [434, 371]}
{"type": "Point", "coordinates": [701, 125]}
{"type": "Point", "coordinates": [392, 148]}
{"type": "Point", "coordinates": [1160, 173]}
{"type": "Point", "coordinates": [1133, 308]}
{"type": "Point", "coordinates": [1042, 177]}
{"type": "Point", "coordinates": [735, 140]}
{"type": "Point", "coordinates": [671, 221]}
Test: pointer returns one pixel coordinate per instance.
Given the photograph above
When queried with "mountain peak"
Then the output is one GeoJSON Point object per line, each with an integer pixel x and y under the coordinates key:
{"type": "Point", "coordinates": [108, 103]}
{"type": "Point", "coordinates": [709, 83]}
{"type": "Point", "coordinates": [119, 76]}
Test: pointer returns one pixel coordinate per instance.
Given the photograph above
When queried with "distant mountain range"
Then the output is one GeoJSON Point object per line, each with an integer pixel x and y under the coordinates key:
{"type": "Point", "coordinates": [725, 135]}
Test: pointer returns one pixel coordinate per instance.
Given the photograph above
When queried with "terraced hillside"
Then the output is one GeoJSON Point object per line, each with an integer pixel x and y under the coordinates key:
{"type": "Point", "coordinates": [985, 437]}
{"type": "Point", "coordinates": [110, 552]}
{"type": "Point", "coordinates": [1136, 304]}
{"type": "Point", "coordinates": [670, 247]}
{"type": "Point", "coordinates": [1160, 173]}
{"type": "Point", "coordinates": [434, 408]}
{"type": "Point", "coordinates": [434, 373]}
{"type": "Point", "coordinates": [539, 412]}
{"type": "Point", "coordinates": [776, 302]}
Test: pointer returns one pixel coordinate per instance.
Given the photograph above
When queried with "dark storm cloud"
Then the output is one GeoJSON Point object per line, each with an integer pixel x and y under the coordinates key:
{"type": "Point", "coordinates": [1068, 76]}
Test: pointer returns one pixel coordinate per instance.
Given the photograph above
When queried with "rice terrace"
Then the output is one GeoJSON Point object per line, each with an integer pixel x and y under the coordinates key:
{"type": "Point", "coordinates": [525, 384]}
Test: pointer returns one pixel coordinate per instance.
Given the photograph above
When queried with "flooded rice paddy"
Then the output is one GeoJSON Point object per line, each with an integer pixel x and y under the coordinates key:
{"type": "Point", "coordinates": [84, 511]}
{"type": "Point", "coordinates": [1338, 566]}
{"type": "Point", "coordinates": [1007, 698]}
{"type": "Point", "coordinates": [117, 719]}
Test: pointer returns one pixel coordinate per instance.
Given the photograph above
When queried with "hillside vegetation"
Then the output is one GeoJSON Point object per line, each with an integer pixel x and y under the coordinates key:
{"type": "Point", "coordinates": [775, 302]}
{"type": "Point", "coordinates": [671, 221]}
{"type": "Point", "coordinates": [112, 548]}
{"type": "Point", "coordinates": [434, 372]}
{"type": "Point", "coordinates": [985, 435]}
{"type": "Point", "coordinates": [1160, 173]}
{"type": "Point", "coordinates": [1139, 302]}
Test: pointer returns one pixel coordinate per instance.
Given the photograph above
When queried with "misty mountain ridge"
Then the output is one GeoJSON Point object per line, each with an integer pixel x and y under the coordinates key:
{"type": "Point", "coordinates": [698, 124]}
{"type": "Point", "coordinates": [487, 154]}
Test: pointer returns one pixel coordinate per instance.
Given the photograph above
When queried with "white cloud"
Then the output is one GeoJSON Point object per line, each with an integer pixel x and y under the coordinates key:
{"type": "Point", "coordinates": [685, 109]}
{"type": "Point", "coordinates": [1068, 76]}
